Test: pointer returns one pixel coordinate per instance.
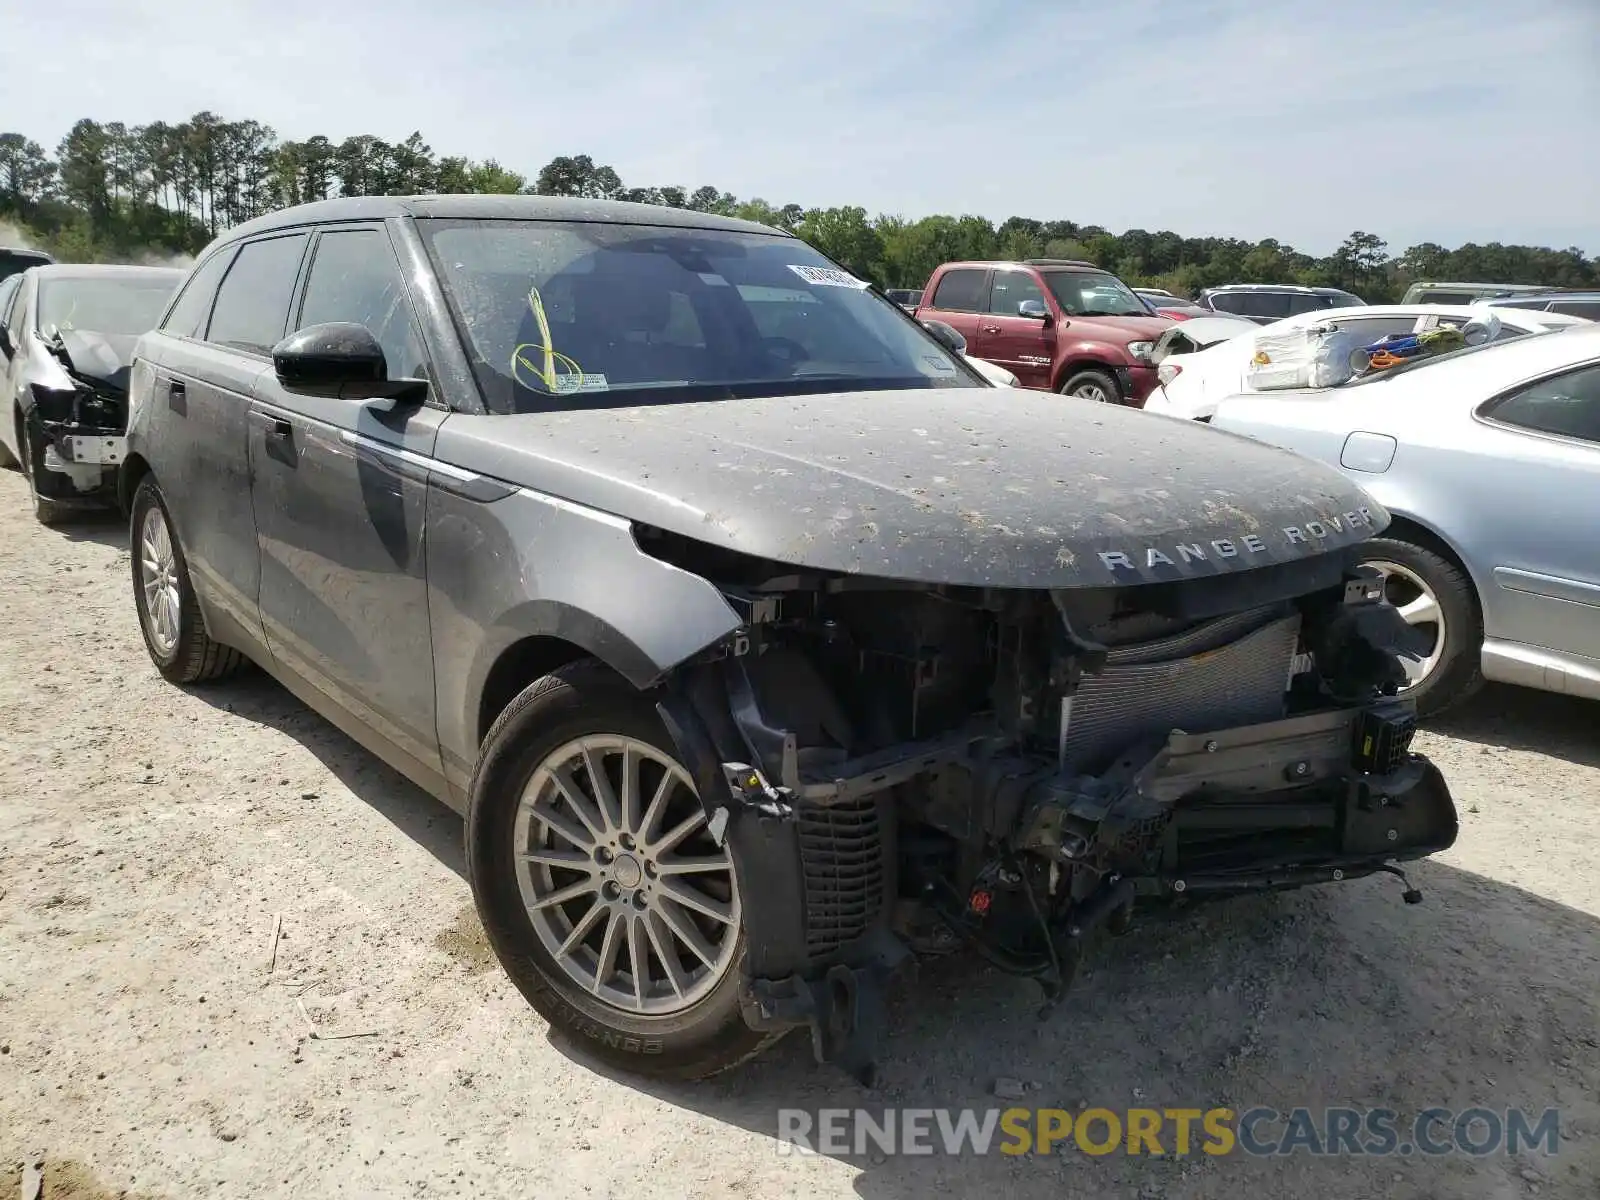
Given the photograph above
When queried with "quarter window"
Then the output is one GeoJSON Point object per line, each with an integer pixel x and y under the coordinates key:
{"type": "Point", "coordinates": [354, 277]}
{"type": "Point", "coordinates": [1009, 289]}
{"type": "Point", "coordinates": [1567, 405]}
{"type": "Point", "coordinates": [960, 291]}
{"type": "Point", "coordinates": [187, 316]}
{"type": "Point", "coordinates": [252, 307]}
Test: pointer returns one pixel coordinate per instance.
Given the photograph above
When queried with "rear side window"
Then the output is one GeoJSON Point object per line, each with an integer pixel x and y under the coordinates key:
{"type": "Point", "coordinates": [187, 316]}
{"type": "Point", "coordinates": [1578, 308]}
{"type": "Point", "coordinates": [1567, 405]}
{"type": "Point", "coordinates": [960, 291]}
{"type": "Point", "coordinates": [354, 277]}
{"type": "Point", "coordinates": [1298, 302]}
{"type": "Point", "coordinates": [9, 287]}
{"type": "Point", "coordinates": [252, 308]}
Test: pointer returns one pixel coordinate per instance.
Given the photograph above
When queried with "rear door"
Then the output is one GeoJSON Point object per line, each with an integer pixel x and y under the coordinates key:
{"type": "Point", "coordinates": [958, 299]}
{"type": "Point", "coordinates": [218, 341]}
{"type": "Point", "coordinates": [339, 489]}
{"type": "Point", "coordinates": [1537, 512]}
{"type": "Point", "coordinates": [1023, 345]}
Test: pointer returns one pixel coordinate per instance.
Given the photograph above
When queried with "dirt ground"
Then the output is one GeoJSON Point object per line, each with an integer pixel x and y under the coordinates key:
{"type": "Point", "coordinates": [150, 1044]}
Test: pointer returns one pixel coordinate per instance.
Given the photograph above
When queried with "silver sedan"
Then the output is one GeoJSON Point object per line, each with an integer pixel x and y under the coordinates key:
{"type": "Point", "coordinates": [1489, 460]}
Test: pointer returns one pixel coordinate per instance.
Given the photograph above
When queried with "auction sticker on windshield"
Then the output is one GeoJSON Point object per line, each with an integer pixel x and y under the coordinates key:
{"type": "Point", "coordinates": [827, 277]}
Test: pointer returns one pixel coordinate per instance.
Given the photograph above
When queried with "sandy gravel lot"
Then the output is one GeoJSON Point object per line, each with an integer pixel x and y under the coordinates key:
{"type": "Point", "coordinates": [149, 836]}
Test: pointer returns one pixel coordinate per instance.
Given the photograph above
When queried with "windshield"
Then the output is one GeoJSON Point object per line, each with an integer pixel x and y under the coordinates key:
{"type": "Point", "coordinates": [129, 304]}
{"type": "Point", "coordinates": [1094, 294]}
{"type": "Point", "coordinates": [550, 309]}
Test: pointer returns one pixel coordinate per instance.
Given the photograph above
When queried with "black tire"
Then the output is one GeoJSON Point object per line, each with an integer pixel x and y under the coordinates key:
{"type": "Point", "coordinates": [580, 699]}
{"type": "Point", "coordinates": [1459, 672]}
{"type": "Point", "coordinates": [194, 657]}
{"type": "Point", "coordinates": [1101, 381]}
{"type": "Point", "coordinates": [45, 510]}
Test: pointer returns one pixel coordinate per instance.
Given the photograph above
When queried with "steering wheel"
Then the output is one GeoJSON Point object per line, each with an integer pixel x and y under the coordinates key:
{"type": "Point", "coordinates": [786, 350]}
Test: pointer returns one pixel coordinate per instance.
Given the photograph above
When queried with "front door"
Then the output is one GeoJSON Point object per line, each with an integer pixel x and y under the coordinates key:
{"type": "Point", "coordinates": [1022, 345]}
{"type": "Point", "coordinates": [339, 489]}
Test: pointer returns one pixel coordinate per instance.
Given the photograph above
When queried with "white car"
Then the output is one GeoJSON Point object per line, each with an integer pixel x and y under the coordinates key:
{"type": "Point", "coordinates": [1190, 387]}
{"type": "Point", "coordinates": [993, 372]}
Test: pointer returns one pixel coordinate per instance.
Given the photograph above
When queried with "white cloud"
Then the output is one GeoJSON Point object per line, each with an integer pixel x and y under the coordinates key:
{"type": "Point", "coordinates": [1471, 120]}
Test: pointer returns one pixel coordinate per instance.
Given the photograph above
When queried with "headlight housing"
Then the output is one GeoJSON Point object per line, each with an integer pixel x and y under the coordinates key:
{"type": "Point", "coordinates": [1141, 350]}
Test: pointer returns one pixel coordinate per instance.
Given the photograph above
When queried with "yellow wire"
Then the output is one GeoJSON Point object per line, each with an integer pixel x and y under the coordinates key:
{"type": "Point", "coordinates": [545, 372]}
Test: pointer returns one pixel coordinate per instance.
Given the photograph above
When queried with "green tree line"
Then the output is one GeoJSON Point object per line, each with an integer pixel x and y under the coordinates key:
{"type": "Point", "coordinates": [115, 191]}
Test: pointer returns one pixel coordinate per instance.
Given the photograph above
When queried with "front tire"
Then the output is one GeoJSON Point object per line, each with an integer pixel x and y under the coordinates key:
{"type": "Point", "coordinates": [169, 615]}
{"type": "Point", "coordinates": [598, 885]}
{"type": "Point", "coordinates": [1096, 386]}
{"type": "Point", "coordinates": [1435, 596]}
{"type": "Point", "coordinates": [45, 510]}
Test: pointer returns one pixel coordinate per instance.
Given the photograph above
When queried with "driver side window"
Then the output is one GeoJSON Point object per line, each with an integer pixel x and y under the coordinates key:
{"type": "Point", "coordinates": [354, 277]}
{"type": "Point", "coordinates": [1009, 289]}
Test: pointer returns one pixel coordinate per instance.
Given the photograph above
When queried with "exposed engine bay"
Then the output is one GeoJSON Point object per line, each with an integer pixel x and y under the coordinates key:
{"type": "Point", "coordinates": [912, 769]}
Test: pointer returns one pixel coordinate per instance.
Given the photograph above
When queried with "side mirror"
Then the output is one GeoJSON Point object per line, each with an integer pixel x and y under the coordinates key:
{"type": "Point", "coordinates": [344, 360]}
{"type": "Point", "coordinates": [948, 336]}
{"type": "Point", "coordinates": [1034, 309]}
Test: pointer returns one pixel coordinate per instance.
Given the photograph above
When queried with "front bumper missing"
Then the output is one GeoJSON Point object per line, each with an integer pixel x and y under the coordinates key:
{"type": "Point", "coordinates": [1314, 798]}
{"type": "Point", "coordinates": [95, 449]}
{"type": "Point", "coordinates": [1281, 804]}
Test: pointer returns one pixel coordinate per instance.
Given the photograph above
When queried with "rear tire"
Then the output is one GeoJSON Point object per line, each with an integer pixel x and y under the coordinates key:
{"type": "Point", "coordinates": [1098, 386]}
{"type": "Point", "coordinates": [695, 1028]}
{"type": "Point", "coordinates": [169, 615]}
{"type": "Point", "coordinates": [1416, 575]}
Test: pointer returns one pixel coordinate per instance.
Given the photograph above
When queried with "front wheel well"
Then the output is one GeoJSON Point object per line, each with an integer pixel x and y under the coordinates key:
{"type": "Point", "coordinates": [134, 469]}
{"type": "Point", "coordinates": [1077, 365]}
{"type": "Point", "coordinates": [520, 664]}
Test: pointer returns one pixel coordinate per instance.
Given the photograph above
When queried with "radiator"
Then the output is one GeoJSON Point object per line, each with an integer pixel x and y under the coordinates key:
{"type": "Point", "coordinates": [1217, 675]}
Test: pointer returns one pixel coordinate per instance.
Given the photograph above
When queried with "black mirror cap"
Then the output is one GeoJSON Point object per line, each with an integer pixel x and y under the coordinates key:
{"type": "Point", "coordinates": [948, 335]}
{"type": "Point", "coordinates": [340, 359]}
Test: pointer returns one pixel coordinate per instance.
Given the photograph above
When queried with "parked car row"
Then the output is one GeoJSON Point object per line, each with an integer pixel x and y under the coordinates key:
{"type": "Point", "coordinates": [1488, 459]}
{"type": "Point", "coordinates": [762, 643]}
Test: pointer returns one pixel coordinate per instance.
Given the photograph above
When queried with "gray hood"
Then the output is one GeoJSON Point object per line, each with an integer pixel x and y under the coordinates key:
{"type": "Point", "coordinates": [102, 357]}
{"type": "Point", "coordinates": [975, 486]}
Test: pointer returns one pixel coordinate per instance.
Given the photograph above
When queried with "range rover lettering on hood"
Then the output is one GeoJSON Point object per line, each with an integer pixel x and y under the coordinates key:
{"type": "Point", "coordinates": [1309, 533]}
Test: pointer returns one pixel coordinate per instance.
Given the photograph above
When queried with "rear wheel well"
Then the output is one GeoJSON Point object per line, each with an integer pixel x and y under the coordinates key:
{"type": "Point", "coordinates": [520, 664]}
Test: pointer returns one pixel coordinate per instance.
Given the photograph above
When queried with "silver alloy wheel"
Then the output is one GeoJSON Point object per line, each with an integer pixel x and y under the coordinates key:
{"type": "Point", "coordinates": [1417, 604]}
{"type": "Point", "coordinates": [158, 575]}
{"type": "Point", "coordinates": [621, 878]}
{"type": "Point", "coordinates": [1091, 391]}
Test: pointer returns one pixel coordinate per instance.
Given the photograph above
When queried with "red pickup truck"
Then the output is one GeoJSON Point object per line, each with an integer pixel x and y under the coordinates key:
{"type": "Point", "coordinates": [1057, 324]}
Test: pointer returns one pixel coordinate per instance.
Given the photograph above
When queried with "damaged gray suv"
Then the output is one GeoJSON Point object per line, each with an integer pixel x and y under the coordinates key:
{"type": "Point", "coordinates": [763, 645]}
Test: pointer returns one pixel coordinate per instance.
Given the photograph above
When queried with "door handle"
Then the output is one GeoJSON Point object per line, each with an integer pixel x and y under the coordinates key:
{"type": "Point", "coordinates": [989, 328]}
{"type": "Point", "coordinates": [279, 429]}
{"type": "Point", "coordinates": [176, 389]}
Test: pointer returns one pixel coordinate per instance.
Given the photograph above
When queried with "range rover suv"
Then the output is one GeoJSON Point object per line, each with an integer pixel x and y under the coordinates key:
{"type": "Point", "coordinates": [762, 644]}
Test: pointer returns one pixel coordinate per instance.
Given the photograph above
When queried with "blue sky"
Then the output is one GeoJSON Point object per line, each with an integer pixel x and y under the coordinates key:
{"type": "Point", "coordinates": [1476, 120]}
